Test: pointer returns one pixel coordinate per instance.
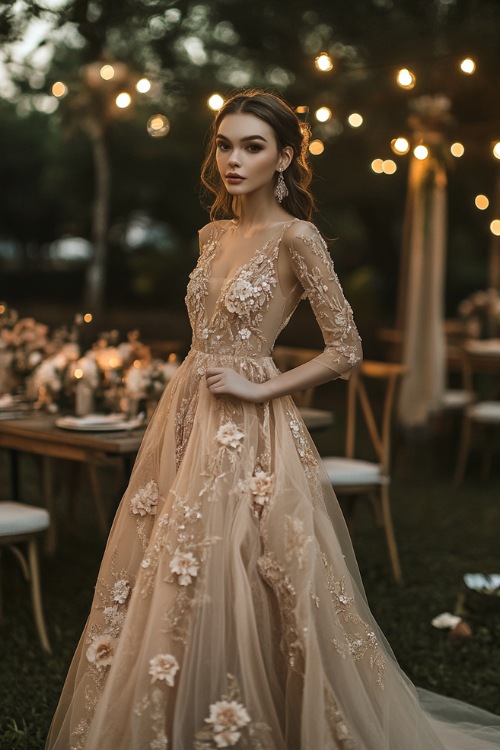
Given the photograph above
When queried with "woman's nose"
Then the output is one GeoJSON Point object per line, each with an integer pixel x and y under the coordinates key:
{"type": "Point", "coordinates": [234, 159]}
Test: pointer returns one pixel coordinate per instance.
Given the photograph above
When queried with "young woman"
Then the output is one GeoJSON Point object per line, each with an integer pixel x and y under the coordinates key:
{"type": "Point", "coordinates": [229, 611]}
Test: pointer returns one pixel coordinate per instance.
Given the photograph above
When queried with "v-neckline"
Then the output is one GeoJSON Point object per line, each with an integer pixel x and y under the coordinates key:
{"type": "Point", "coordinates": [227, 282]}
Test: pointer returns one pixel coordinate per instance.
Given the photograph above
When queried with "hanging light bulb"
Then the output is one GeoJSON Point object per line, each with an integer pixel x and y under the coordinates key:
{"type": "Point", "coordinates": [323, 114]}
{"type": "Point", "coordinates": [468, 66]}
{"type": "Point", "coordinates": [495, 227]}
{"type": "Point", "coordinates": [324, 62]}
{"type": "Point", "coordinates": [421, 152]}
{"type": "Point", "coordinates": [59, 89]}
{"type": "Point", "coordinates": [400, 145]}
{"type": "Point", "coordinates": [405, 78]}
{"type": "Point", "coordinates": [389, 166]}
{"type": "Point", "coordinates": [107, 72]}
{"type": "Point", "coordinates": [143, 86]}
{"type": "Point", "coordinates": [377, 166]}
{"type": "Point", "coordinates": [316, 147]}
{"type": "Point", "coordinates": [158, 126]}
{"type": "Point", "coordinates": [496, 150]}
{"type": "Point", "coordinates": [355, 120]}
{"type": "Point", "coordinates": [215, 102]}
{"type": "Point", "coordinates": [123, 100]}
{"type": "Point", "coordinates": [457, 149]}
{"type": "Point", "coordinates": [482, 202]}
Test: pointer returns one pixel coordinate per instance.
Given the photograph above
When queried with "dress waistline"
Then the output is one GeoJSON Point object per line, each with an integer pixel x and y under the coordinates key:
{"type": "Point", "coordinates": [193, 351]}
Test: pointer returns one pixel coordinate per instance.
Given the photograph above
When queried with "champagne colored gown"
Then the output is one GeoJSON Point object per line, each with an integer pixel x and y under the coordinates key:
{"type": "Point", "coordinates": [229, 610]}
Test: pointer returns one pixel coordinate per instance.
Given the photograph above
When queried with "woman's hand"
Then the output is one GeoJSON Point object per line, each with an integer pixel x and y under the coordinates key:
{"type": "Point", "coordinates": [222, 381]}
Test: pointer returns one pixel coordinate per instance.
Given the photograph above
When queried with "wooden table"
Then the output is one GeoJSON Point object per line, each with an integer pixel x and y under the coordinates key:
{"type": "Point", "coordinates": [38, 435]}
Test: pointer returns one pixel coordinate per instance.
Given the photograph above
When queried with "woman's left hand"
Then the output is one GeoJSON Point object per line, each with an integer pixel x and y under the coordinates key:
{"type": "Point", "coordinates": [222, 381]}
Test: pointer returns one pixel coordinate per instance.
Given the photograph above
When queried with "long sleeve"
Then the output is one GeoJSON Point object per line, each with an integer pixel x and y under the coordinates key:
{"type": "Point", "coordinates": [313, 267]}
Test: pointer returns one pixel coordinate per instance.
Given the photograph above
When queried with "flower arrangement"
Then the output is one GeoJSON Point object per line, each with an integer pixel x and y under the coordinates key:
{"type": "Point", "coordinates": [480, 313]}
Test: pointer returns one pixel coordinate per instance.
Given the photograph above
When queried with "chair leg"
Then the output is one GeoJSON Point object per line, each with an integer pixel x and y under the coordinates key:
{"type": "Point", "coordinates": [98, 501]}
{"type": "Point", "coordinates": [463, 453]}
{"type": "Point", "coordinates": [36, 595]}
{"type": "Point", "coordinates": [389, 533]}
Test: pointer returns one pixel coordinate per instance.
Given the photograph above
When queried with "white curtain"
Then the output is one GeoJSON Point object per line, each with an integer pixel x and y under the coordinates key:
{"type": "Point", "coordinates": [423, 290]}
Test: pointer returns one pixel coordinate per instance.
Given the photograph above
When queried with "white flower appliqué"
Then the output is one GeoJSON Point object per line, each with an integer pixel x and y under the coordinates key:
{"type": "Point", "coordinates": [101, 650]}
{"type": "Point", "coordinates": [227, 718]}
{"type": "Point", "coordinates": [163, 667]}
{"type": "Point", "coordinates": [229, 435]}
{"type": "Point", "coordinates": [120, 591]}
{"type": "Point", "coordinates": [261, 485]}
{"type": "Point", "coordinates": [185, 565]}
{"type": "Point", "coordinates": [145, 500]}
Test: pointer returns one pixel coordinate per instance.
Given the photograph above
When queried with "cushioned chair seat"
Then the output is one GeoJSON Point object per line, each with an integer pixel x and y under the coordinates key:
{"type": "Point", "coordinates": [485, 411]}
{"type": "Point", "coordinates": [455, 398]}
{"type": "Point", "coordinates": [17, 518]}
{"type": "Point", "coordinates": [343, 472]}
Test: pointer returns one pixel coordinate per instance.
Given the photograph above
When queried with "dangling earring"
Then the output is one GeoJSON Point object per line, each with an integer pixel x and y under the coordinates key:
{"type": "Point", "coordinates": [281, 190]}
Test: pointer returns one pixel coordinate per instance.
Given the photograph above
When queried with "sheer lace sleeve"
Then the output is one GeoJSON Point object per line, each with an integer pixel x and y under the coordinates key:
{"type": "Point", "coordinates": [313, 267]}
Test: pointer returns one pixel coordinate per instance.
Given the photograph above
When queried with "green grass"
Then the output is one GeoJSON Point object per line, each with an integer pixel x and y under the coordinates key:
{"type": "Point", "coordinates": [442, 534]}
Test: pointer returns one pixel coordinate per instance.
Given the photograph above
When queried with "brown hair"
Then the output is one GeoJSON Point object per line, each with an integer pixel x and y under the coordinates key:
{"type": "Point", "coordinates": [288, 130]}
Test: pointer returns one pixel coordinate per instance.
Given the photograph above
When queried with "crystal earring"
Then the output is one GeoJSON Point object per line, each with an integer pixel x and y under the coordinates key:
{"type": "Point", "coordinates": [281, 190]}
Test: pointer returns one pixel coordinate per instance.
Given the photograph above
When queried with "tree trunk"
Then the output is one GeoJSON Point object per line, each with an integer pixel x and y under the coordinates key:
{"type": "Point", "coordinates": [95, 282]}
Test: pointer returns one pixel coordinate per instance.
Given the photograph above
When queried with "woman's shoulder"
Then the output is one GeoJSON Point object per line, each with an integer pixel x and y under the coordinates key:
{"type": "Point", "coordinates": [300, 228]}
{"type": "Point", "coordinates": [213, 227]}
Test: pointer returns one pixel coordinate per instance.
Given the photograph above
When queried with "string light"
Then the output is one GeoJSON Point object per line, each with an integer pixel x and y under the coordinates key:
{"type": "Point", "coordinates": [405, 78]}
{"type": "Point", "coordinates": [355, 120]}
{"type": "Point", "coordinates": [389, 166]}
{"type": "Point", "coordinates": [215, 102]}
{"type": "Point", "coordinates": [377, 166]}
{"type": "Point", "coordinates": [87, 318]}
{"type": "Point", "coordinates": [158, 126]}
{"type": "Point", "coordinates": [143, 86]}
{"type": "Point", "coordinates": [316, 147]}
{"type": "Point", "coordinates": [421, 152]}
{"type": "Point", "coordinates": [324, 62]}
{"type": "Point", "coordinates": [303, 109]}
{"type": "Point", "coordinates": [59, 89]}
{"type": "Point", "coordinates": [457, 149]}
{"type": "Point", "coordinates": [123, 100]}
{"type": "Point", "coordinates": [107, 72]}
{"type": "Point", "coordinates": [496, 150]}
{"type": "Point", "coordinates": [400, 145]}
{"type": "Point", "coordinates": [78, 373]}
{"type": "Point", "coordinates": [323, 114]}
{"type": "Point", "coordinates": [468, 66]}
{"type": "Point", "coordinates": [495, 227]}
{"type": "Point", "coordinates": [482, 202]}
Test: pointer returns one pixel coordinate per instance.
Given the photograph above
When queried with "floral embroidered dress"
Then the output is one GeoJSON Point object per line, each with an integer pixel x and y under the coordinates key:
{"type": "Point", "coordinates": [229, 611]}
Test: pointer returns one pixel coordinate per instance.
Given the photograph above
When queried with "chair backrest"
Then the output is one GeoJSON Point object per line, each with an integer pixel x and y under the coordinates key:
{"type": "Point", "coordinates": [379, 428]}
{"type": "Point", "coordinates": [288, 357]}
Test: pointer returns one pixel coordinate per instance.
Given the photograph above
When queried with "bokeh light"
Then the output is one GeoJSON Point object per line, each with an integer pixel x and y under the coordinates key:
{"type": "Point", "coordinates": [482, 202]}
{"type": "Point", "coordinates": [123, 100]}
{"type": "Point", "coordinates": [324, 62]}
{"type": "Point", "coordinates": [107, 72]}
{"type": "Point", "coordinates": [143, 86]}
{"type": "Point", "coordinates": [405, 78]}
{"type": "Point", "coordinates": [468, 66]}
{"type": "Point", "coordinates": [457, 149]}
{"type": "Point", "coordinates": [158, 126]}
{"type": "Point", "coordinates": [400, 145]}
{"type": "Point", "coordinates": [87, 318]}
{"type": "Point", "coordinates": [355, 120]}
{"type": "Point", "coordinates": [316, 147]}
{"type": "Point", "coordinates": [78, 373]}
{"type": "Point", "coordinates": [377, 166]}
{"type": "Point", "coordinates": [496, 150]}
{"type": "Point", "coordinates": [323, 114]}
{"type": "Point", "coordinates": [421, 152]}
{"type": "Point", "coordinates": [389, 166]}
{"type": "Point", "coordinates": [495, 227]}
{"type": "Point", "coordinates": [215, 102]}
{"type": "Point", "coordinates": [59, 89]}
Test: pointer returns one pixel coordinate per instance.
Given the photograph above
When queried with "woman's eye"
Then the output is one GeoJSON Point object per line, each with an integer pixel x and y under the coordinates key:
{"type": "Point", "coordinates": [253, 147]}
{"type": "Point", "coordinates": [222, 146]}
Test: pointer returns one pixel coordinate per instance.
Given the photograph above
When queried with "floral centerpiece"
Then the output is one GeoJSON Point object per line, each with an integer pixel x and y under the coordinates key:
{"type": "Point", "coordinates": [480, 313]}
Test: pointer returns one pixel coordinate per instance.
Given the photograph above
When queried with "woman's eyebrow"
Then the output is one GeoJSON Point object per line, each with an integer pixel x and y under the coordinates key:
{"type": "Point", "coordinates": [247, 138]}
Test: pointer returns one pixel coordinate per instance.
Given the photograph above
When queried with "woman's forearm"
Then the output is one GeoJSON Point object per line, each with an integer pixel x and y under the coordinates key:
{"type": "Point", "coordinates": [308, 375]}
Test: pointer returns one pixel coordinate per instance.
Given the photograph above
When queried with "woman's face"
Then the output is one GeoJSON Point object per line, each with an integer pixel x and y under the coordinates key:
{"type": "Point", "coordinates": [247, 154]}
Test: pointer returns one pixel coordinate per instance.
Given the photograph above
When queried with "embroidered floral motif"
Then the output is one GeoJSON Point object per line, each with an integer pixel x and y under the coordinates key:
{"type": "Point", "coordinates": [145, 500]}
{"type": "Point", "coordinates": [230, 724]}
{"type": "Point", "coordinates": [185, 565]}
{"type": "Point", "coordinates": [296, 540]}
{"type": "Point", "coordinates": [230, 436]}
{"type": "Point", "coordinates": [261, 486]}
{"type": "Point", "coordinates": [101, 650]}
{"type": "Point", "coordinates": [163, 667]}
{"type": "Point", "coordinates": [121, 591]}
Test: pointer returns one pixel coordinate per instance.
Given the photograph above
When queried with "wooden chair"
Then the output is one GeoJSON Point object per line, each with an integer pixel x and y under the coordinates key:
{"type": "Point", "coordinates": [482, 413]}
{"type": "Point", "coordinates": [352, 476]}
{"type": "Point", "coordinates": [20, 524]}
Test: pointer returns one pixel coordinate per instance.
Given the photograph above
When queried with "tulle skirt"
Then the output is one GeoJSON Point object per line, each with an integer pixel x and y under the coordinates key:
{"type": "Point", "coordinates": [229, 611]}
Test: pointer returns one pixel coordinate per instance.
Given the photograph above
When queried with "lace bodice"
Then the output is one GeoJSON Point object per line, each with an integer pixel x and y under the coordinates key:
{"type": "Point", "coordinates": [241, 312]}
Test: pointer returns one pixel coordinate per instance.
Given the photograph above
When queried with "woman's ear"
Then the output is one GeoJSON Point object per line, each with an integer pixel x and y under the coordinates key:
{"type": "Point", "coordinates": [286, 157]}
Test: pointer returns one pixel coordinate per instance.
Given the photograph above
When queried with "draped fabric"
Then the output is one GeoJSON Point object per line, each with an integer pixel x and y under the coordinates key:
{"type": "Point", "coordinates": [229, 610]}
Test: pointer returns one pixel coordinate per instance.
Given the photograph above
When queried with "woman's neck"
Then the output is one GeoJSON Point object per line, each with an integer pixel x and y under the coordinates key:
{"type": "Point", "coordinates": [257, 211]}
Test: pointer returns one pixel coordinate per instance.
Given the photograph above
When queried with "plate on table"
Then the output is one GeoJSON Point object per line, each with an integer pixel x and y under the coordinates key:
{"type": "Point", "coordinates": [100, 423]}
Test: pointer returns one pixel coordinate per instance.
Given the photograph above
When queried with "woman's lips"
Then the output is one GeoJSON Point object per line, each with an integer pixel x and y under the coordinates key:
{"type": "Point", "coordinates": [234, 179]}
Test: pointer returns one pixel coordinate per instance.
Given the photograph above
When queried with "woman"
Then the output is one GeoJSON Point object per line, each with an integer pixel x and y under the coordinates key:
{"type": "Point", "coordinates": [229, 611]}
